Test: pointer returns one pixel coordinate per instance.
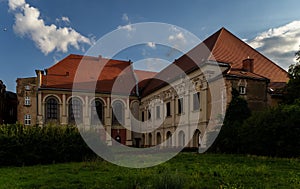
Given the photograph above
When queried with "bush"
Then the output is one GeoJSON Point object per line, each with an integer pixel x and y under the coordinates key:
{"type": "Point", "coordinates": [23, 145]}
{"type": "Point", "coordinates": [228, 138]}
{"type": "Point", "coordinates": [274, 132]}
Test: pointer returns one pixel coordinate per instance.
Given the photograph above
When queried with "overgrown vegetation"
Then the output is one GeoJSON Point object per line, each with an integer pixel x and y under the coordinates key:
{"type": "Point", "coordinates": [228, 140]}
{"type": "Point", "coordinates": [186, 170]}
{"type": "Point", "coordinates": [23, 145]}
{"type": "Point", "coordinates": [273, 132]}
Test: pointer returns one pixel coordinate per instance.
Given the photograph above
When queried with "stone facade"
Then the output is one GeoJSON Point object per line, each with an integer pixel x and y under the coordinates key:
{"type": "Point", "coordinates": [27, 103]}
{"type": "Point", "coordinates": [177, 107]}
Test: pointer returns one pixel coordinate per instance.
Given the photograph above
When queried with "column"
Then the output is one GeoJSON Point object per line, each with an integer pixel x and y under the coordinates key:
{"type": "Point", "coordinates": [107, 122]}
{"type": "Point", "coordinates": [64, 120]}
{"type": "Point", "coordinates": [40, 110]}
{"type": "Point", "coordinates": [127, 124]}
{"type": "Point", "coordinates": [86, 120]}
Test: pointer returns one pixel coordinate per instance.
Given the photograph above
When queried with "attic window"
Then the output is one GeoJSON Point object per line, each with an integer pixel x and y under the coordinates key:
{"type": "Point", "coordinates": [242, 90]}
{"type": "Point", "coordinates": [27, 87]}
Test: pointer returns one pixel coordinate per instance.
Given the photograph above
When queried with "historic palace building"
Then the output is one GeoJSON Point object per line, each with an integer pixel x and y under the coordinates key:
{"type": "Point", "coordinates": [142, 108]}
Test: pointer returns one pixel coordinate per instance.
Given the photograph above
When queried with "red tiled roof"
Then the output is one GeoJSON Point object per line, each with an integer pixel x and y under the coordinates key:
{"type": "Point", "coordinates": [230, 49]}
{"type": "Point", "coordinates": [90, 73]}
{"type": "Point", "coordinates": [223, 47]}
{"type": "Point", "coordinates": [245, 74]}
{"type": "Point", "coordinates": [144, 77]}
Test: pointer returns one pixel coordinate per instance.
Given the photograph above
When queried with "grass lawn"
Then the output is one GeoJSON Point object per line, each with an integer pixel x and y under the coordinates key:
{"type": "Point", "coordinates": [186, 170]}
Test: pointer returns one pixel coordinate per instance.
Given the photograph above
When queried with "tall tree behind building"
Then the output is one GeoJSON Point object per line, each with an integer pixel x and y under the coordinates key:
{"type": "Point", "coordinates": [292, 92]}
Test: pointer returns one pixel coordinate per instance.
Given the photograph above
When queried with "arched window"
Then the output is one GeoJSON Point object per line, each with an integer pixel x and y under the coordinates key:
{"type": "Point", "coordinates": [75, 111]}
{"type": "Point", "coordinates": [181, 137]}
{"type": "Point", "coordinates": [169, 139]}
{"type": "Point", "coordinates": [97, 112]}
{"type": "Point", "coordinates": [118, 113]}
{"type": "Point", "coordinates": [52, 111]}
{"type": "Point", "coordinates": [158, 138]}
{"type": "Point", "coordinates": [150, 139]}
{"type": "Point", "coordinates": [196, 138]}
{"type": "Point", "coordinates": [143, 140]}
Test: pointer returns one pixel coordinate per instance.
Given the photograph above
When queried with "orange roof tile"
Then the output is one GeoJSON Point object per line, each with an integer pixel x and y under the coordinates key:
{"type": "Point", "coordinates": [230, 49]}
{"type": "Point", "coordinates": [144, 77]}
{"type": "Point", "coordinates": [90, 73]}
{"type": "Point", "coordinates": [222, 47]}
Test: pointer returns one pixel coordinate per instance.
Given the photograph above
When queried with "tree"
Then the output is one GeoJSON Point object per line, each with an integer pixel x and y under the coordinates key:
{"type": "Point", "coordinates": [2, 101]}
{"type": "Point", "coordinates": [273, 132]}
{"type": "Point", "coordinates": [292, 91]}
{"type": "Point", "coordinates": [228, 138]}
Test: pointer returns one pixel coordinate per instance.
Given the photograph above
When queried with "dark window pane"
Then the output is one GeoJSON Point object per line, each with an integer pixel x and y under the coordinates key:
{"type": "Point", "coordinates": [168, 109]}
{"type": "Point", "coordinates": [196, 101]}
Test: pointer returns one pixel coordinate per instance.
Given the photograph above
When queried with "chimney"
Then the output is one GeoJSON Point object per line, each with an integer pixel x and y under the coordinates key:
{"type": "Point", "coordinates": [39, 74]}
{"type": "Point", "coordinates": [248, 65]}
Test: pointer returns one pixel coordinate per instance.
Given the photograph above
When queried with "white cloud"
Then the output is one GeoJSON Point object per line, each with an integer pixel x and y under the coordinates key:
{"type": "Point", "coordinates": [127, 27]}
{"type": "Point", "coordinates": [178, 40]}
{"type": "Point", "coordinates": [47, 38]}
{"type": "Point", "coordinates": [151, 45]}
{"type": "Point", "coordinates": [177, 37]}
{"type": "Point", "coordinates": [279, 44]}
{"type": "Point", "coordinates": [15, 4]}
{"type": "Point", "coordinates": [151, 64]}
{"type": "Point", "coordinates": [125, 17]}
{"type": "Point", "coordinates": [63, 19]}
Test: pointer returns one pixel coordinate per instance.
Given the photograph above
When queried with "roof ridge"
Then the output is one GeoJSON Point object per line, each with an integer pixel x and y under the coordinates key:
{"type": "Point", "coordinates": [145, 71]}
{"type": "Point", "coordinates": [224, 29]}
{"type": "Point", "coordinates": [214, 46]}
{"type": "Point", "coordinates": [59, 62]}
{"type": "Point", "coordinates": [241, 70]}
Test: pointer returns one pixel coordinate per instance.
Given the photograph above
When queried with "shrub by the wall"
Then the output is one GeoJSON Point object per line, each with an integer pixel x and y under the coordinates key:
{"type": "Point", "coordinates": [274, 132]}
{"type": "Point", "coordinates": [28, 145]}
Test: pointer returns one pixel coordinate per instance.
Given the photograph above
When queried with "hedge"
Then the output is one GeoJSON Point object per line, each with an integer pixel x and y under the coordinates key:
{"type": "Point", "coordinates": [29, 145]}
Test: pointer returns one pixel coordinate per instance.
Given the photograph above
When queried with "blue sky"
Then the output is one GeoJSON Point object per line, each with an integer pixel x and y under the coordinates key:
{"type": "Point", "coordinates": [37, 41]}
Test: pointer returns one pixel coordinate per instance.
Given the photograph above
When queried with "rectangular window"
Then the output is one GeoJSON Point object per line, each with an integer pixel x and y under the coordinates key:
{"type": "Point", "coordinates": [27, 101]}
{"type": "Point", "coordinates": [143, 116]}
{"type": "Point", "coordinates": [27, 119]}
{"type": "Point", "coordinates": [149, 114]}
{"type": "Point", "coordinates": [157, 112]}
{"type": "Point", "coordinates": [168, 109]}
{"type": "Point", "coordinates": [196, 101]}
{"type": "Point", "coordinates": [180, 105]}
{"type": "Point", "coordinates": [242, 90]}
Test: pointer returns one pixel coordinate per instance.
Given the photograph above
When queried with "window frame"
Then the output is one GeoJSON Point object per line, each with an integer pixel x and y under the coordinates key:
{"type": "Point", "coordinates": [75, 115]}
{"type": "Point", "coordinates": [95, 112]}
{"type": "Point", "coordinates": [196, 103]}
{"type": "Point", "coordinates": [168, 109]}
{"type": "Point", "coordinates": [157, 110]}
{"type": "Point", "coordinates": [52, 109]}
{"type": "Point", "coordinates": [27, 119]}
{"type": "Point", "coordinates": [180, 106]}
{"type": "Point", "coordinates": [115, 120]}
{"type": "Point", "coordinates": [27, 101]}
{"type": "Point", "coordinates": [242, 90]}
{"type": "Point", "coordinates": [143, 116]}
{"type": "Point", "coordinates": [149, 114]}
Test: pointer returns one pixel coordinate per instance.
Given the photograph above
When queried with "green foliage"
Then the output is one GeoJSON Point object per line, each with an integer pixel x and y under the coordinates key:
{"type": "Point", "coordinates": [228, 138]}
{"type": "Point", "coordinates": [23, 145]}
{"type": "Point", "coordinates": [274, 132]}
{"type": "Point", "coordinates": [292, 91]}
